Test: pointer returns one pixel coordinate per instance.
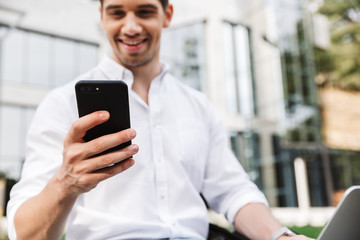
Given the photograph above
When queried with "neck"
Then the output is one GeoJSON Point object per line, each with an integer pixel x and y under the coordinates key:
{"type": "Point", "coordinates": [143, 76]}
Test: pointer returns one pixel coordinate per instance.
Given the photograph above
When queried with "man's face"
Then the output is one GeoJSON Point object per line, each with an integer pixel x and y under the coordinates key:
{"type": "Point", "coordinates": [133, 28]}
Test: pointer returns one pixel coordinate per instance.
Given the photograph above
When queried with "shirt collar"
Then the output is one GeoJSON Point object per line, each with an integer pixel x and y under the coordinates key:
{"type": "Point", "coordinates": [114, 71]}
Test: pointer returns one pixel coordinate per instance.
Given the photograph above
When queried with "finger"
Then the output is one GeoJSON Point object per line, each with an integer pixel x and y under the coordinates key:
{"type": "Point", "coordinates": [83, 124]}
{"type": "Point", "coordinates": [109, 141]}
{"type": "Point", "coordinates": [105, 173]}
{"type": "Point", "coordinates": [106, 160]}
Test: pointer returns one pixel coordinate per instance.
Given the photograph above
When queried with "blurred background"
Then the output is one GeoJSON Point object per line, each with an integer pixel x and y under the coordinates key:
{"type": "Point", "coordinates": [284, 75]}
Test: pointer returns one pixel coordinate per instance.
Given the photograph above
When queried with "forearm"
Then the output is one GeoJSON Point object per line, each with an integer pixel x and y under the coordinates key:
{"type": "Point", "coordinates": [256, 222]}
{"type": "Point", "coordinates": [44, 216]}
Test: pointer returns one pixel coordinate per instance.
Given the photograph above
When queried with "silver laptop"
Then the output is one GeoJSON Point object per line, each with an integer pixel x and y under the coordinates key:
{"type": "Point", "coordinates": [345, 223]}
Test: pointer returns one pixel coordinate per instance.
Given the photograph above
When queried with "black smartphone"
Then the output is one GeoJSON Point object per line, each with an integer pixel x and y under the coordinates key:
{"type": "Point", "coordinates": [112, 96]}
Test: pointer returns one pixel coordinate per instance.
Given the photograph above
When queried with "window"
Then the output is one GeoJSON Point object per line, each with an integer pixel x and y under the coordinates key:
{"type": "Point", "coordinates": [64, 61]}
{"type": "Point", "coordinates": [14, 123]}
{"type": "Point", "coordinates": [183, 48]}
{"type": "Point", "coordinates": [39, 59]}
{"type": "Point", "coordinates": [238, 70]}
{"type": "Point", "coordinates": [87, 56]}
{"type": "Point", "coordinates": [12, 57]}
{"type": "Point", "coordinates": [246, 147]}
{"type": "Point", "coordinates": [38, 63]}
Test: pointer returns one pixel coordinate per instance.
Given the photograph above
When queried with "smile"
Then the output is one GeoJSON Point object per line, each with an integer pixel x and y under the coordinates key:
{"type": "Point", "coordinates": [132, 42]}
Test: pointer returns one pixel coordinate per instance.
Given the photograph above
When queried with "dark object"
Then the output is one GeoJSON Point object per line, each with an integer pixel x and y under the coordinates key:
{"type": "Point", "coordinates": [111, 96]}
{"type": "Point", "coordinates": [218, 233]}
{"type": "Point", "coordinates": [9, 184]}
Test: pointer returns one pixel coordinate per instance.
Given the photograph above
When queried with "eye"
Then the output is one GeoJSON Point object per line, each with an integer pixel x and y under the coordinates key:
{"type": "Point", "coordinates": [117, 14]}
{"type": "Point", "coordinates": [145, 13]}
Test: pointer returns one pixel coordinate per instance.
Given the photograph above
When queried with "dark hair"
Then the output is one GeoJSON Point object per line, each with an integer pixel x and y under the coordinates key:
{"type": "Point", "coordinates": [164, 3]}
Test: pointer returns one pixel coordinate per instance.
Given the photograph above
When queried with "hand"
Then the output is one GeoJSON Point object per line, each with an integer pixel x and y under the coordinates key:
{"type": "Point", "coordinates": [297, 237]}
{"type": "Point", "coordinates": [80, 172]}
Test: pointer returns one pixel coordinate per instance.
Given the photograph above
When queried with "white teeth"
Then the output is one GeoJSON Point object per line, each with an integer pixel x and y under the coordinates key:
{"type": "Point", "coordinates": [132, 43]}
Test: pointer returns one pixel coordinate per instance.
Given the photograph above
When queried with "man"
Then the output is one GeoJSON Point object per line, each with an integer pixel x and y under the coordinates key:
{"type": "Point", "coordinates": [183, 152]}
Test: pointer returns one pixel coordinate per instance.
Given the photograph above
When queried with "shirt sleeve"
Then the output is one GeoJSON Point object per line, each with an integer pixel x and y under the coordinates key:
{"type": "Point", "coordinates": [227, 187]}
{"type": "Point", "coordinates": [44, 147]}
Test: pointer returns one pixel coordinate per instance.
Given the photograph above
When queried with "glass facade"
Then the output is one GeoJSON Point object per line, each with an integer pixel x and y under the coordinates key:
{"type": "Point", "coordinates": [328, 170]}
{"type": "Point", "coordinates": [246, 146]}
{"type": "Point", "coordinates": [183, 47]}
{"type": "Point", "coordinates": [238, 70]}
{"type": "Point", "coordinates": [34, 59]}
{"type": "Point", "coordinates": [37, 59]}
{"type": "Point", "coordinates": [14, 123]}
{"type": "Point", "coordinates": [302, 136]}
{"type": "Point", "coordinates": [40, 60]}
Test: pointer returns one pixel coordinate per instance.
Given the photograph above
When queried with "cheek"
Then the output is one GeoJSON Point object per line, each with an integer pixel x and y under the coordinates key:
{"type": "Point", "coordinates": [112, 30]}
{"type": "Point", "coordinates": [156, 33]}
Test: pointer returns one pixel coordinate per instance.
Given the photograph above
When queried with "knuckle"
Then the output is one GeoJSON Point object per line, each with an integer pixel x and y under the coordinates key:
{"type": "Point", "coordinates": [123, 137]}
{"type": "Point", "coordinates": [72, 154]}
{"type": "Point", "coordinates": [117, 169]}
{"type": "Point", "coordinates": [107, 160]}
{"type": "Point", "coordinates": [111, 171]}
{"type": "Point", "coordinates": [78, 169]}
{"type": "Point", "coordinates": [83, 182]}
{"type": "Point", "coordinates": [97, 146]}
{"type": "Point", "coordinates": [76, 126]}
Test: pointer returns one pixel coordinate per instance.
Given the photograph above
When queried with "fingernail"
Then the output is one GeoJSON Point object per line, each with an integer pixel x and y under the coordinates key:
{"type": "Point", "coordinates": [131, 133]}
{"type": "Point", "coordinates": [134, 147]}
{"type": "Point", "coordinates": [103, 115]}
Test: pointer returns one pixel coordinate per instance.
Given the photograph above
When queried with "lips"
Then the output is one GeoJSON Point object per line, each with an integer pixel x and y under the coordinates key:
{"type": "Point", "coordinates": [132, 42]}
{"type": "Point", "coordinates": [132, 45]}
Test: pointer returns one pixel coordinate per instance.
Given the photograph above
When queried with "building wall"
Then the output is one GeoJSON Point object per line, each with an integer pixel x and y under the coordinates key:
{"type": "Point", "coordinates": [260, 19]}
{"type": "Point", "coordinates": [198, 27]}
{"type": "Point", "coordinates": [43, 44]}
{"type": "Point", "coordinates": [61, 20]}
{"type": "Point", "coordinates": [55, 17]}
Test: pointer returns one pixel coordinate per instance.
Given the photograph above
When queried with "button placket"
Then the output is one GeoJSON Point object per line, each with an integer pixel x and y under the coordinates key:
{"type": "Point", "coordinates": [161, 177]}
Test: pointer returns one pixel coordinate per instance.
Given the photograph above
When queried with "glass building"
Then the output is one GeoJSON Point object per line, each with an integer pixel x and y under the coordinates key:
{"type": "Point", "coordinates": [267, 94]}
{"type": "Point", "coordinates": [253, 59]}
{"type": "Point", "coordinates": [32, 61]}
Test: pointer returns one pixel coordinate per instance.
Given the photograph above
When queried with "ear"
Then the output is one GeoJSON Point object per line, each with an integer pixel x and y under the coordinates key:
{"type": "Point", "coordinates": [168, 15]}
{"type": "Point", "coordinates": [101, 17]}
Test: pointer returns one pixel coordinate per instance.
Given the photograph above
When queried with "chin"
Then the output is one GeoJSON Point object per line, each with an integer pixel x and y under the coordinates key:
{"type": "Point", "coordinates": [134, 62]}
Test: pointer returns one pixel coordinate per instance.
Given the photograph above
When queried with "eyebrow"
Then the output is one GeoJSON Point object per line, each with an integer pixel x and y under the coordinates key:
{"type": "Point", "coordinates": [148, 6]}
{"type": "Point", "coordinates": [110, 7]}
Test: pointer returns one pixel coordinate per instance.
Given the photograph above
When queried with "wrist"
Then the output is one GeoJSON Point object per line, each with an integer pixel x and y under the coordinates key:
{"type": "Point", "coordinates": [61, 191]}
{"type": "Point", "coordinates": [284, 237]}
{"type": "Point", "coordinates": [282, 233]}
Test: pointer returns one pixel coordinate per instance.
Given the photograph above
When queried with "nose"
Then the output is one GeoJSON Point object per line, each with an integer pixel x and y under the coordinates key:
{"type": "Point", "coordinates": [131, 26]}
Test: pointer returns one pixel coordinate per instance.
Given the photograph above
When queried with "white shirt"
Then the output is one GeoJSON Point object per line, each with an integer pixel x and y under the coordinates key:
{"type": "Point", "coordinates": [183, 152]}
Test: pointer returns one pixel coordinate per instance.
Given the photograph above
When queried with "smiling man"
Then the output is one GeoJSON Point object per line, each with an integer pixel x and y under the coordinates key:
{"type": "Point", "coordinates": [183, 153]}
{"type": "Point", "coordinates": [135, 40]}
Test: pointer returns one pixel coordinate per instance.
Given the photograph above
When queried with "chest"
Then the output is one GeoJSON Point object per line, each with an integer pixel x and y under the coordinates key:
{"type": "Point", "coordinates": [172, 130]}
